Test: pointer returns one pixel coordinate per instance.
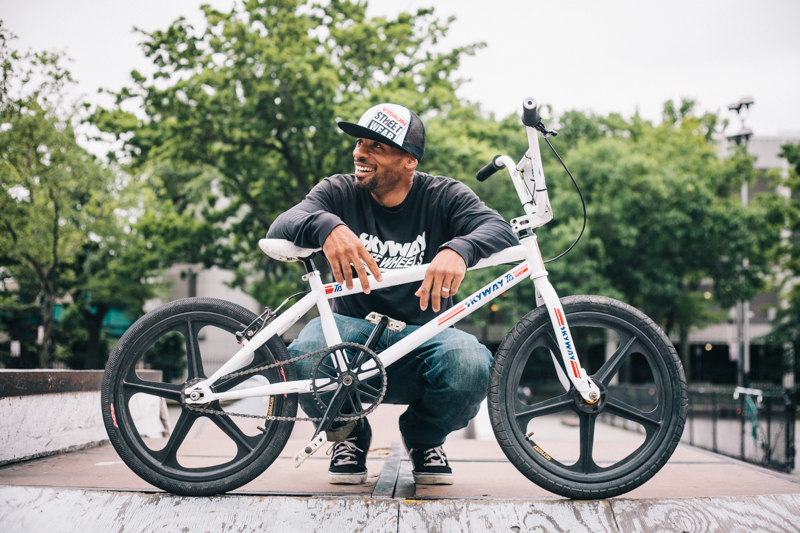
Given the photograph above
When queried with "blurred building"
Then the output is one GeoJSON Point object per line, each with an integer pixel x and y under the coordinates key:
{"type": "Point", "coordinates": [714, 349]}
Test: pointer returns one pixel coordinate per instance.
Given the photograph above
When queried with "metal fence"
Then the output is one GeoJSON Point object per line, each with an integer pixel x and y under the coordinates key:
{"type": "Point", "coordinates": [754, 426]}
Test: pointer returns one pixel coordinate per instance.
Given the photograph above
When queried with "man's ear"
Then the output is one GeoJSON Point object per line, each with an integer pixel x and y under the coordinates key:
{"type": "Point", "coordinates": [411, 162]}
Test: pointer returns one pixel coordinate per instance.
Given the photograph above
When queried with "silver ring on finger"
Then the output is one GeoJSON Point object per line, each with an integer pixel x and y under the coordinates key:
{"type": "Point", "coordinates": [445, 290]}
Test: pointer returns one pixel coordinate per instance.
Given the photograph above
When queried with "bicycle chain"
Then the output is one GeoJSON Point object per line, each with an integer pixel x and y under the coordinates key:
{"type": "Point", "coordinates": [277, 364]}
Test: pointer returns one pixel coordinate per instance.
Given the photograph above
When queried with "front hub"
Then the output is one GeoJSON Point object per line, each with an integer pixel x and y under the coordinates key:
{"type": "Point", "coordinates": [591, 408]}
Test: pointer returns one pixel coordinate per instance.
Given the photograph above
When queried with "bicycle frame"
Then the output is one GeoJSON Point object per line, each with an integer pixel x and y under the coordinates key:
{"type": "Point", "coordinates": [528, 178]}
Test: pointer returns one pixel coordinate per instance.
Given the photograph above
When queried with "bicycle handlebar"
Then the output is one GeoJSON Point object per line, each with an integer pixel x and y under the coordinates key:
{"type": "Point", "coordinates": [531, 118]}
{"type": "Point", "coordinates": [530, 112]}
{"type": "Point", "coordinates": [492, 167]}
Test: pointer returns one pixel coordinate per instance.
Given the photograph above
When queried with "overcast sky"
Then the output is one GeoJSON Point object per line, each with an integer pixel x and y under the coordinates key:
{"type": "Point", "coordinates": [604, 56]}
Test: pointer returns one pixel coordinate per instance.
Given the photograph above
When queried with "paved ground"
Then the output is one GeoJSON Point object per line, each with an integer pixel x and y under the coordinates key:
{"type": "Point", "coordinates": [694, 491]}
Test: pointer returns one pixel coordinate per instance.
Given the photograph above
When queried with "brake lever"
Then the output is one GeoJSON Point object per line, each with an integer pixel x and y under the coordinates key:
{"type": "Point", "coordinates": [545, 132]}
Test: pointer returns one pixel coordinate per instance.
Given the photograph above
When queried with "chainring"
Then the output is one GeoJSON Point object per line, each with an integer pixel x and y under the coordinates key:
{"type": "Point", "coordinates": [367, 385]}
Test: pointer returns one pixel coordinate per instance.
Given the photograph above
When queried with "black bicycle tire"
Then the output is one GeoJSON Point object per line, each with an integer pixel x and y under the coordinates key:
{"type": "Point", "coordinates": [532, 463]}
{"type": "Point", "coordinates": [122, 434]}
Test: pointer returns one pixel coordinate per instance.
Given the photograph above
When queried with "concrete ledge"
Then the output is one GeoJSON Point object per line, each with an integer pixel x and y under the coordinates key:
{"type": "Point", "coordinates": [30, 382]}
{"type": "Point", "coordinates": [24, 509]}
{"type": "Point", "coordinates": [57, 411]}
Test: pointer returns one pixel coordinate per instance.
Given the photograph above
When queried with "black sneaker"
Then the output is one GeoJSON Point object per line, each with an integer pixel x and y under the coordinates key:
{"type": "Point", "coordinates": [430, 466]}
{"type": "Point", "coordinates": [349, 458]}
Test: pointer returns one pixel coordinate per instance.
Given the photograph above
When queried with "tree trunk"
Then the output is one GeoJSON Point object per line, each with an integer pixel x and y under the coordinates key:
{"type": "Point", "coordinates": [685, 353]}
{"type": "Point", "coordinates": [48, 303]}
{"type": "Point", "coordinates": [94, 324]}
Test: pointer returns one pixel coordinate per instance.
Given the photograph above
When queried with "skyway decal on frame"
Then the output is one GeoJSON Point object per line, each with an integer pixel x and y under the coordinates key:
{"type": "Point", "coordinates": [333, 287]}
{"type": "Point", "coordinates": [485, 293]}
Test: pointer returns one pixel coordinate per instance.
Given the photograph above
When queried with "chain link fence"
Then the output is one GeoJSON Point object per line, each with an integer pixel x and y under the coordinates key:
{"type": "Point", "coordinates": [756, 426]}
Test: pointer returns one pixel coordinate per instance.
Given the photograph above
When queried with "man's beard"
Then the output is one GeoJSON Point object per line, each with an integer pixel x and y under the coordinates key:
{"type": "Point", "coordinates": [389, 176]}
{"type": "Point", "coordinates": [369, 184]}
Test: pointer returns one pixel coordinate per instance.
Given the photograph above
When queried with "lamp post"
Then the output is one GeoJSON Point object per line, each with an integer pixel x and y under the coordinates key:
{"type": "Point", "coordinates": [743, 308]}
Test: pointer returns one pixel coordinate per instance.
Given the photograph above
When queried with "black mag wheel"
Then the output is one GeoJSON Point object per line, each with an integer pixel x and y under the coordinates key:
{"type": "Point", "coordinates": [566, 445]}
{"type": "Point", "coordinates": [205, 454]}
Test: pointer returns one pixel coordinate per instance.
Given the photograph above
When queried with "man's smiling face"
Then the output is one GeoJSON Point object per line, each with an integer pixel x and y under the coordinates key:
{"type": "Point", "coordinates": [378, 165]}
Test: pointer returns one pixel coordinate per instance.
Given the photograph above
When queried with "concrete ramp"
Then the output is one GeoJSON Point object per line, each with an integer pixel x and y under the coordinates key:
{"type": "Point", "coordinates": [26, 509]}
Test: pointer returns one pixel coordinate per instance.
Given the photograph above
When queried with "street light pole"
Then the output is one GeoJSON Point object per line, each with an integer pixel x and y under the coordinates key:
{"type": "Point", "coordinates": [743, 308]}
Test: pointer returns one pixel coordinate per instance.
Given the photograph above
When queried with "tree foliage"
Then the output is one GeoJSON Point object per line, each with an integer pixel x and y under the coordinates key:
{"type": "Point", "coordinates": [53, 192]}
{"type": "Point", "coordinates": [67, 231]}
{"type": "Point", "coordinates": [238, 120]}
{"type": "Point", "coordinates": [786, 326]}
{"type": "Point", "coordinates": [663, 215]}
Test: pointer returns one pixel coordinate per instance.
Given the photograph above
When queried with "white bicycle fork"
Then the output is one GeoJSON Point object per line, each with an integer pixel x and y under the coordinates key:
{"type": "Point", "coordinates": [545, 293]}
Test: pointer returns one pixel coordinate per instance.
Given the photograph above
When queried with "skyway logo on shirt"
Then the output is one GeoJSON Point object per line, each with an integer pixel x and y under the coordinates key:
{"type": "Point", "coordinates": [391, 254]}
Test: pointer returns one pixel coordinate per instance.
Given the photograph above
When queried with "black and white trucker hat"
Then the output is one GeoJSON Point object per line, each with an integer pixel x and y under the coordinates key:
{"type": "Point", "coordinates": [392, 124]}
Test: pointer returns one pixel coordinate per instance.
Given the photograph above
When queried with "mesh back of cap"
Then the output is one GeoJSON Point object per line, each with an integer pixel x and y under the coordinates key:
{"type": "Point", "coordinates": [416, 135]}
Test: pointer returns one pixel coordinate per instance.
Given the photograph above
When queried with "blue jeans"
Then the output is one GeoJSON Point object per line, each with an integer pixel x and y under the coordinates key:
{"type": "Point", "coordinates": [443, 381]}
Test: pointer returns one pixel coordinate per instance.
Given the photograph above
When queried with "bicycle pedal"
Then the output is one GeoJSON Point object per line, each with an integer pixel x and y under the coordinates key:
{"type": "Point", "coordinates": [310, 448]}
{"type": "Point", "coordinates": [393, 325]}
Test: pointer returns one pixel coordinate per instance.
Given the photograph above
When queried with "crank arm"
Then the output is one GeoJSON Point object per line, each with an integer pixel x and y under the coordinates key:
{"type": "Point", "coordinates": [333, 409]}
{"type": "Point", "coordinates": [320, 437]}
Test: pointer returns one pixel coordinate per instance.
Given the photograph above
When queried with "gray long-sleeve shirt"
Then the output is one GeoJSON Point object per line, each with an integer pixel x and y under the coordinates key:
{"type": "Point", "coordinates": [438, 213]}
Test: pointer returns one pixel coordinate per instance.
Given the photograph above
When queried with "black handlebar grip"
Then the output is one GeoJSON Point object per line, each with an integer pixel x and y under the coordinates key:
{"type": "Point", "coordinates": [484, 173]}
{"type": "Point", "coordinates": [530, 112]}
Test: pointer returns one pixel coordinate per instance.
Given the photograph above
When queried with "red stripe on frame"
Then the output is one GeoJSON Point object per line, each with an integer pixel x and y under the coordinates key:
{"type": "Point", "coordinates": [560, 317]}
{"type": "Point", "coordinates": [451, 314]}
{"type": "Point", "coordinates": [521, 271]}
{"type": "Point", "coordinates": [328, 289]}
{"type": "Point", "coordinates": [575, 370]}
{"type": "Point", "coordinates": [541, 261]}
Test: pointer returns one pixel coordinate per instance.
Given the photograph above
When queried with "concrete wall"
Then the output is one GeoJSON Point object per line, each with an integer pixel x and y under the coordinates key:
{"type": "Point", "coordinates": [44, 412]}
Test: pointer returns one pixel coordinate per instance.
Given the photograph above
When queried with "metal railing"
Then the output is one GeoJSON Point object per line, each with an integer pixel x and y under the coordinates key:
{"type": "Point", "coordinates": [755, 426]}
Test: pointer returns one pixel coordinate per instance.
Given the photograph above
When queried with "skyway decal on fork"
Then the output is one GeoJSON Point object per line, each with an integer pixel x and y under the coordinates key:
{"type": "Point", "coordinates": [568, 343]}
{"type": "Point", "coordinates": [560, 318]}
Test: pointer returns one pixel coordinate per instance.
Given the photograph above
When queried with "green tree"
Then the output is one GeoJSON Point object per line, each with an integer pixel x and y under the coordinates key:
{"type": "Point", "coordinates": [239, 119]}
{"type": "Point", "coordinates": [69, 223]}
{"type": "Point", "coordinates": [663, 211]}
{"type": "Point", "coordinates": [664, 217]}
{"type": "Point", "coordinates": [785, 332]}
{"type": "Point", "coordinates": [53, 192]}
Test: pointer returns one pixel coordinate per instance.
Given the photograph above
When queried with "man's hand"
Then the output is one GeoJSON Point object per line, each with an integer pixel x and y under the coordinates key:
{"type": "Point", "coordinates": [442, 279]}
{"type": "Point", "coordinates": [343, 248]}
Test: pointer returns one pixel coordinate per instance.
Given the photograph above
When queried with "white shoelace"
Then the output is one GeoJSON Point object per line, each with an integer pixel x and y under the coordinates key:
{"type": "Point", "coordinates": [434, 457]}
{"type": "Point", "coordinates": [344, 453]}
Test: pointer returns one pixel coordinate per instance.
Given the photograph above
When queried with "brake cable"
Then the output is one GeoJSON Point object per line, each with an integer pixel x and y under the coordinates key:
{"type": "Point", "coordinates": [583, 202]}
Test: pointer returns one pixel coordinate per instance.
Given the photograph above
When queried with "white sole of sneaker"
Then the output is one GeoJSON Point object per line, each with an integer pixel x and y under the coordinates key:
{"type": "Point", "coordinates": [347, 479]}
{"type": "Point", "coordinates": [433, 479]}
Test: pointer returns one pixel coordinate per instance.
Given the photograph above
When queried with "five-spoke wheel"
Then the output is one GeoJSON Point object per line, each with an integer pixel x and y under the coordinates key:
{"type": "Point", "coordinates": [560, 441]}
{"type": "Point", "coordinates": [203, 330]}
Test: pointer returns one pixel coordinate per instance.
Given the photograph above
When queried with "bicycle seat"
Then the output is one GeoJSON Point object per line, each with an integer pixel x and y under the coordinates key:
{"type": "Point", "coordinates": [284, 250]}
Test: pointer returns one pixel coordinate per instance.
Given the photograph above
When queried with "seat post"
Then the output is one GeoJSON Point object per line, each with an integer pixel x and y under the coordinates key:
{"type": "Point", "coordinates": [308, 264]}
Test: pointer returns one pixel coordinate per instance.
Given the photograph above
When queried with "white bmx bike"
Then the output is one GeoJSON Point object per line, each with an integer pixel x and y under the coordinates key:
{"type": "Point", "coordinates": [539, 354]}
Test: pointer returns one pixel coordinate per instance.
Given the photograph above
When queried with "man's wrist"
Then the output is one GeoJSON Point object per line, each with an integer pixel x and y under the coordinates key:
{"type": "Point", "coordinates": [447, 246]}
